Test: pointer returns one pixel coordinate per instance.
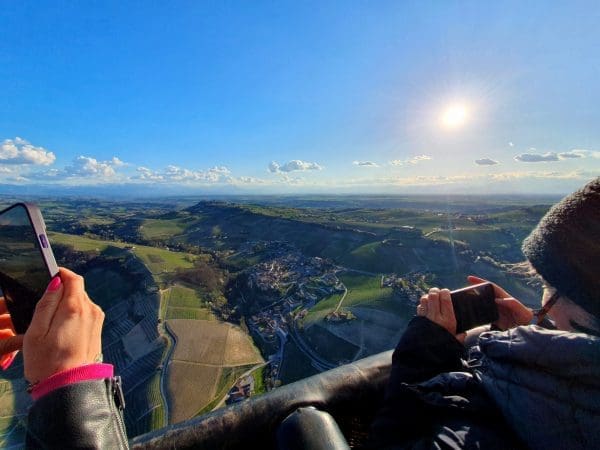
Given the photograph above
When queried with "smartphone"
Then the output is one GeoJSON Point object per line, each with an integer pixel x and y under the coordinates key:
{"type": "Point", "coordinates": [474, 306]}
{"type": "Point", "coordinates": [27, 263]}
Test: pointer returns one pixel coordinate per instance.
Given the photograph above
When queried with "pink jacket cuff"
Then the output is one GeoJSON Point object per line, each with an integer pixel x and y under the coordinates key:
{"type": "Point", "coordinates": [87, 372]}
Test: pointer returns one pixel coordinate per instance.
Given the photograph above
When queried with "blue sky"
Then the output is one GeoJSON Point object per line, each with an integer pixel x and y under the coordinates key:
{"type": "Point", "coordinates": [285, 97]}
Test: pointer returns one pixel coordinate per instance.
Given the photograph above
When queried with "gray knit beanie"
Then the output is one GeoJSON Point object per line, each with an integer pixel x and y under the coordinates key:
{"type": "Point", "coordinates": [565, 247]}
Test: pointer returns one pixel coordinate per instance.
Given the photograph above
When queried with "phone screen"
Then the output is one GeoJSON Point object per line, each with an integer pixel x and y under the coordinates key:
{"type": "Point", "coordinates": [474, 306]}
{"type": "Point", "coordinates": [24, 274]}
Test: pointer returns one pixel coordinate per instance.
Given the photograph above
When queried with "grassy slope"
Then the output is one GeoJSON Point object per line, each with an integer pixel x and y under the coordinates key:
{"type": "Point", "coordinates": [182, 302]}
{"type": "Point", "coordinates": [161, 228]}
{"type": "Point", "coordinates": [158, 260]}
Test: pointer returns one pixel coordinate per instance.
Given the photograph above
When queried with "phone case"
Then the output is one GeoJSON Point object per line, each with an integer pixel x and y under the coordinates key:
{"type": "Point", "coordinates": [27, 263]}
{"type": "Point", "coordinates": [474, 306]}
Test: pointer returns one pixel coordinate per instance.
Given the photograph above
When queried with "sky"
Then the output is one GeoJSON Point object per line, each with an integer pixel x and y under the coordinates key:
{"type": "Point", "coordinates": [284, 97]}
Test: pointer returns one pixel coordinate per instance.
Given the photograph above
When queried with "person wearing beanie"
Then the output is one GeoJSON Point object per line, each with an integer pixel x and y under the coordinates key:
{"type": "Point", "coordinates": [532, 379]}
{"type": "Point", "coordinates": [564, 249]}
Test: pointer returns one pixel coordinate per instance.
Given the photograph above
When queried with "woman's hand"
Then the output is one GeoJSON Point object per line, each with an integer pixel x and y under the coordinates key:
{"type": "Point", "coordinates": [437, 307]}
{"type": "Point", "coordinates": [511, 311]}
{"type": "Point", "coordinates": [10, 342]}
{"type": "Point", "coordinates": [65, 329]}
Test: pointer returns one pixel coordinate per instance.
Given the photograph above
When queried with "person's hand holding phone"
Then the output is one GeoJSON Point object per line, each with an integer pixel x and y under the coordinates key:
{"type": "Point", "coordinates": [437, 307]}
{"type": "Point", "coordinates": [511, 312]}
{"type": "Point", "coordinates": [65, 331]}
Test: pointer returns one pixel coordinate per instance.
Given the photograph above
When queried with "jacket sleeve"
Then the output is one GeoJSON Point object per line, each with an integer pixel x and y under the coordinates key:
{"type": "Point", "coordinates": [88, 414]}
{"type": "Point", "coordinates": [424, 351]}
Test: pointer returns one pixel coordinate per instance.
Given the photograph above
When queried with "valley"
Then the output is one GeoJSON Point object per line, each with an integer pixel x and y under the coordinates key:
{"type": "Point", "coordinates": [210, 302]}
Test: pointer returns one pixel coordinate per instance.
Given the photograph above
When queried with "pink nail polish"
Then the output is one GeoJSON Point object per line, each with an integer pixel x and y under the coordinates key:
{"type": "Point", "coordinates": [54, 284]}
{"type": "Point", "coordinates": [7, 360]}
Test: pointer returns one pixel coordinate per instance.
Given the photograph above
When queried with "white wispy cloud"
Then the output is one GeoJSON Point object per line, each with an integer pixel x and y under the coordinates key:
{"type": "Point", "coordinates": [550, 175]}
{"type": "Point", "coordinates": [365, 163]}
{"type": "Point", "coordinates": [294, 165]}
{"type": "Point", "coordinates": [537, 157]}
{"type": "Point", "coordinates": [486, 162]}
{"type": "Point", "coordinates": [413, 160]}
{"type": "Point", "coordinates": [176, 174]}
{"type": "Point", "coordinates": [464, 181]}
{"type": "Point", "coordinates": [18, 151]}
{"type": "Point", "coordinates": [556, 156]}
{"type": "Point", "coordinates": [583, 153]}
{"type": "Point", "coordinates": [573, 154]}
{"type": "Point", "coordinates": [250, 180]}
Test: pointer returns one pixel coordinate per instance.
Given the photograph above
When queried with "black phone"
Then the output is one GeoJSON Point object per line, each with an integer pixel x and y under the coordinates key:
{"type": "Point", "coordinates": [474, 306]}
{"type": "Point", "coordinates": [27, 263]}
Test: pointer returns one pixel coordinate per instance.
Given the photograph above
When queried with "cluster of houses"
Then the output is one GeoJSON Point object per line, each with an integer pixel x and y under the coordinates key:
{"type": "Point", "coordinates": [409, 287]}
{"type": "Point", "coordinates": [242, 390]}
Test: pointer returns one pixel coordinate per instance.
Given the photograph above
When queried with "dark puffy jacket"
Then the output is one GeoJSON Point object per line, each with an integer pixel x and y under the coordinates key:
{"type": "Point", "coordinates": [87, 414]}
{"type": "Point", "coordinates": [524, 388]}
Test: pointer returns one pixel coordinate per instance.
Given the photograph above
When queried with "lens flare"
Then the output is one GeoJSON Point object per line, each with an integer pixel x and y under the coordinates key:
{"type": "Point", "coordinates": [455, 116]}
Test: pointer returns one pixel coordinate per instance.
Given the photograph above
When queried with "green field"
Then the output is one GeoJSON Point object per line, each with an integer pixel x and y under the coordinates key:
{"type": "Point", "coordinates": [296, 364]}
{"type": "Point", "coordinates": [82, 243]}
{"type": "Point", "coordinates": [329, 346]}
{"type": "Point", "coordinates": [184, 297]}
{"type": "Point", "coordinates": [182, 302]}
{"type": "Point", "coordinates": [364, 290]}
{"type": "Point", "coordinates": [160, 229]}
{"type": "Point", "coordinates": [321, 309]}
{"type": "Point", "coordinates": [157, 415]}
{"type": "Point", "coordinates": [480, 240]}
{"type": "Point", "coordinates": [159, 261]}
{"type": "Point", "coordinates": [259, 380]}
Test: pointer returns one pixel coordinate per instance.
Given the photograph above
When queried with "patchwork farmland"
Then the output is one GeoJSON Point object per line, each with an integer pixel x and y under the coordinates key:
{"type": "Point", "coordinates": [204, 356]}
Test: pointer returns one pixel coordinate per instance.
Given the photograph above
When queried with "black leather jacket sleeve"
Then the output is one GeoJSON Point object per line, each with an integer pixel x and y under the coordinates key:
{"type": "Point", "coordinates": [424, 351]}
{"type": "Point", "coordinates": [87, 414]}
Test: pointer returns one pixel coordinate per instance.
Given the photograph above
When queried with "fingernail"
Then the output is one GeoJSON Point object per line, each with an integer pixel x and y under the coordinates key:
{"type": "Point", "coordinates": [54, 284]}
{"type": "Point", "coordinates": [7, 360]}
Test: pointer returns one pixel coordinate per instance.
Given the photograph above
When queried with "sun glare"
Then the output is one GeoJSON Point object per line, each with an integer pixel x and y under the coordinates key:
{"type": "Point", "coordinates": [455, 116]}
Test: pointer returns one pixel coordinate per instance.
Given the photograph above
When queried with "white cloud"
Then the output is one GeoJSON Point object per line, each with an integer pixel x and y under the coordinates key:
{"type": "Point", "coordinates": [294, 165]}
{"type": "Point", "coordinates": [176, 174]}
{"type": "Point", "coordinates": [413, 160]}
{"type": "Point", "coordinates": [84, 170]}
{"type": "Point", "coordinates": [85, 166]}
{"type": "Point", "coordinates": [148, 174]}
{"type": "Point", "coordinates": [553, 175]}
{"type": "Point", "coordinates": [19, 151]}
{"type": "Point", "coordinates": [571, 154]}
{"type": "Point", "coordinates": [554, 156]}
{"type": "Point", "coordinates": [486, 162]}
{"type": "Point", "coordinates": [116, 162]}
{"type": "Point", "coordinates": [365, 163]}
{"type": "Point", "coordinates": [466, 181]}
{"type": "Point", "coordinates": [537, 157]}
{"type": "Point", "coordinates": [510, 144]}
{"type": "Point", "coordinates": [250, 180]}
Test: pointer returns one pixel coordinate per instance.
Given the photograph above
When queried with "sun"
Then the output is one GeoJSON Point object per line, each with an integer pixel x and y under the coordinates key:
{"type": "Point", "coordinates": [455, 116]}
